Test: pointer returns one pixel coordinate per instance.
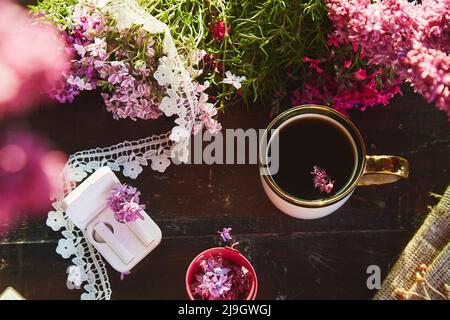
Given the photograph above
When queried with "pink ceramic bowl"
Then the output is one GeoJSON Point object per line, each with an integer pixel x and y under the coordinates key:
{"type": "Point", "coordinates": [229, 254]}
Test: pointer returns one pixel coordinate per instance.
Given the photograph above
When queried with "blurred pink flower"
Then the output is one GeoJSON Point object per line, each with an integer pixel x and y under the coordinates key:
{"type": "Point", "coordinates": [28, 174]}
{"type": "Point", "coordinates": [32, 58]}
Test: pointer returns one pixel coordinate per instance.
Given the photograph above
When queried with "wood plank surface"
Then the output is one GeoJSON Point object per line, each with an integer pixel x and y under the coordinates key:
{"type": "Point", "coordinates": [295, 259]}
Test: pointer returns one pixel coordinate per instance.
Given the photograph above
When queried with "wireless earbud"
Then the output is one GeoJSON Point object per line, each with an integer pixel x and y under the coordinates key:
{"type": "Point", "coordinates": [141, 232]}
{"type": "Point", "coordinates": [104, 234]}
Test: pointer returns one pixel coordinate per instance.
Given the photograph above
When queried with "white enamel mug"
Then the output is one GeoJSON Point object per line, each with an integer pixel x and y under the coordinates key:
{"type": "Point", "coordinates": [368, 170]}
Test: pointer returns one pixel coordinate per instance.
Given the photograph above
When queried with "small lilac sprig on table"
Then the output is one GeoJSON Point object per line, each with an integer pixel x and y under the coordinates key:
{"type": "Point", "coordinates": [124, 202]}
{"type": "Point", "coordinates": [225, 234]}
{"type": "Point", "coordinates": [321, 180]}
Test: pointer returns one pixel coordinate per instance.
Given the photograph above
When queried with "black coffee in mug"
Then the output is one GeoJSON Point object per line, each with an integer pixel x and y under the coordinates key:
{"type": "Point", "coordinates": [311, 158]}
{"type": "Point", "coordinates": [309, 143]}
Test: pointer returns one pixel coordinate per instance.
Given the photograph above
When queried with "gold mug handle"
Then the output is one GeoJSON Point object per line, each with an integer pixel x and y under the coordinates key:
{"type": "Point", "coordinates": [383, 169]}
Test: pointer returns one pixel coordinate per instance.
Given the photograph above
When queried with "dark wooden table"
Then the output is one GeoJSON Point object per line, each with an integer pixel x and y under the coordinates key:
{"type": "Point", "coordinates": [294, 259]}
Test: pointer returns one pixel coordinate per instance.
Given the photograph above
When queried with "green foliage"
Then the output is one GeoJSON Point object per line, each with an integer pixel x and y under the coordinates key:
{"type": "Point", "coordinates": [55, 11]}
{"type": "Point", "coordinates": [268, 38]}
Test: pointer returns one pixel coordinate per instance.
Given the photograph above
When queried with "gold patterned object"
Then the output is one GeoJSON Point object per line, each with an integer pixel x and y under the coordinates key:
{"type": "Point", "coordinates": [422, 271]}
{"type": "Point", "coordinates": [384, 169]}
{"type": "Point", "coordinates": [11, 294]}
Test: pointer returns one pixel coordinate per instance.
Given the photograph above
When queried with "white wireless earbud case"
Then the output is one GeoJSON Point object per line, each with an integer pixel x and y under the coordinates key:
{"type": "Point", "coordinates": [123, 245]}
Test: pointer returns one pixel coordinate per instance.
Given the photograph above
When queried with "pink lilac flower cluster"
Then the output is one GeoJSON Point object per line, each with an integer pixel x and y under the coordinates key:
{"type": "Point", "coordinates": [429, 71]}
{"type": "Point", "coordinates": [124, 202]}
{"type": "Point", "coordinates": [219, 279]}
{"type": "Point", "coordinates": [321, 180]}
{"type": "Point", "coordinates": [32, 58]}
{"type": "Point", "coordinates": [122, 64]}
{"type": "Point", "coordinates": [412, 38]}
{"type": "Point", "coordinates": [129, 90]}
{"type": "Point", "coordinates": [344, 79]}
{"type": "Point", "coordinates": [134, 96]}
{"type": "Point", "coordinates": [206, 112]}
{"type": "Point", "coordinates": [83, 74]}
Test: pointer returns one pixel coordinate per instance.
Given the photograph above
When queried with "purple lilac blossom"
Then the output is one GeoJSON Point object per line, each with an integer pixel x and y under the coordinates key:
{"type": "Point", "coordinates": [219, 279]}
{"type": "Point", "coordinates": [225, 234]}
{"type": "Point", "coordinates": [124, 202]}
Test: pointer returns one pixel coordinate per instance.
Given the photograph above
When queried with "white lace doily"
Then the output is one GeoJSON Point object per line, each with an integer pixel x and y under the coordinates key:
{"type": "Point", "coordinates": [88, 270]}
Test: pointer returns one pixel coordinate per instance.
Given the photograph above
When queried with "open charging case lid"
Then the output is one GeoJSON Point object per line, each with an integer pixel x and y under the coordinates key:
{"type": "Point", "coordinates": [84, 203]}
{"type": "Point", "coordinates": [126, 243]}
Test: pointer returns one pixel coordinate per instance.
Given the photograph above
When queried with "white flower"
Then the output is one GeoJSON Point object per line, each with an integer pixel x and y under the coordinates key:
{"type": "Point", "coordinates": [160, 162]}
{"type": "Point", "coordinates": [76, 174]}
{"type": "Point", "coordinates": [80, 49]}
{"type": "Point", "coordinates": [208, 109]}
{"type": "Point", "coordinates": [150, 50]}
{"type": "Point", "coordinates": [80, 83]}
{"type": "Point", "coordinates": [76, 275]}
{"type": "Point", "coordinates": [169, 106]}
{"type": "Point", "coordinates": [212, 125]}
{"type": "Point", "coordinates": [98, 48]}
{"type": "Point", "coordinates": [66, 248]}
{"type": "Point", "coordinates": [179, 133]}
{"type": "Point", "coordinates": [132, 169]}
{"type": "Point", "coordinates": [55, 220]}
{"type": "Point", "coordinates": [88, 296]}
{"type": "Point", "coordinates": [163, 75]}
{"type": "Point", "coordinates": [203, 98]}
{"type": "Point", "coordinates": [79, 13]}
{"type": "Point", "coordinates": [99, 63]}
{"type": "Point", "coordinates": [202, 87]}
{"type": "Point", "coordinates": [233, 80]}
{"type": "Point", "coordinates": [118, 64]}
{"type": "Point", "coordinates": [198, 56]}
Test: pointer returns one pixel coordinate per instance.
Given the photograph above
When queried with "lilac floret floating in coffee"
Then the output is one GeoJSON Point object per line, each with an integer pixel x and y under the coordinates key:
{"type": "Point", "coordinates": [321, 180]}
